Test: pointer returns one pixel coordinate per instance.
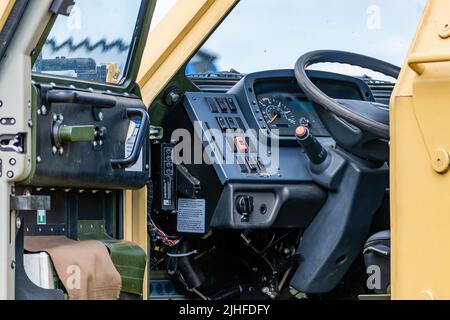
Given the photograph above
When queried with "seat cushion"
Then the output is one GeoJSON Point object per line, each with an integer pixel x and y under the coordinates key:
{"type": "Point", "coordinates": [129, 258]}
{"type": "Point", "coordinates": [84, 267]}
{"type": "Point", "coordinates": [377, 256]}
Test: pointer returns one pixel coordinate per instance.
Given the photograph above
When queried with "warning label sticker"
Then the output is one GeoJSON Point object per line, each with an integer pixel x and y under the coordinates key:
{"type": "Point", "coordinates": [191, 215]}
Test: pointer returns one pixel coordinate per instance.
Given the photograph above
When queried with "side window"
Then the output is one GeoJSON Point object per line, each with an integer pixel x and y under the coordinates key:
{"type": "Point", "coordinates": [94, 43]}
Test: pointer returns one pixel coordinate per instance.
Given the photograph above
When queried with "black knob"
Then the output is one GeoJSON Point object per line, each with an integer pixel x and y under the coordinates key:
{"type": "Point", "coordinates": [244, 206]}
{"type": "Point", "coordinates": [314, 150]}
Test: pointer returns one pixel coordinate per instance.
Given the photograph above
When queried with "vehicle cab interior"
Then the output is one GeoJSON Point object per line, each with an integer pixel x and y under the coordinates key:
{"type": "Point", "coordinates": [258, 167]}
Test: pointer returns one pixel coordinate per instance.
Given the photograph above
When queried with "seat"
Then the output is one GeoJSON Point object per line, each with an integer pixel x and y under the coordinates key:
{"type": "Point", "coordinates": [128, 258]}
{"type": "Point", "coordinates": [377, 252]}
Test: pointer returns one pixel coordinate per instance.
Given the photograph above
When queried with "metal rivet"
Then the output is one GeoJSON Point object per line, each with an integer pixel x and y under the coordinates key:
{"type": "Point", "coordinates": [38, 159]}
{"type": "Point", "coordinates": [12, 162]}
{"type": "Point", "coordinates": [18, 223]}
{"type": "Point", "coordinates": [44, 110]}
{"type": "Point", "coordinates": [3, 121]}
{"type": "Point", "coordinates": [30, 124]}
{"type": "Point", "coordinates": [54, 150]}
{"type": "Point", "coordinates": [100, 116]}
{"type": "Point", "coordinates": [10, 174]}
{"type": "Point", "coordinates": [61, 151]}
{"type": "Point", "coordinates": [13, 264]}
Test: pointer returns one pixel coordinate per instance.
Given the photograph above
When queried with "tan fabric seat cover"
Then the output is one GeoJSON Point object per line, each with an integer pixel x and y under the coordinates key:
{"type": "Point", "coordinates": [84, 267]}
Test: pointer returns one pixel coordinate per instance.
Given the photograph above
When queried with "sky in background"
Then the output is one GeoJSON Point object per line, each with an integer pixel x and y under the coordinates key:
{"type": "Point", "coordinates": [272, 34]}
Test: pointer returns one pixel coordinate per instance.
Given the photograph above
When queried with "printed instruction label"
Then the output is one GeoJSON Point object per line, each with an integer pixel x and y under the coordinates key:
{"type": "Point", "coordinates": [191, 215]}
{"type": "Point", "coordinates": [131, 140]}
{"type": "Point", "coordinates": [168, 178]}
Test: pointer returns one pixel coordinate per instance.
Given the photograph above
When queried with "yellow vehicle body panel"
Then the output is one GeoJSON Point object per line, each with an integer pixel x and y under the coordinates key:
{"type": "Point", "coordinates": [5, 8]}
{"type": "Point", "coordinates": [420, 146]}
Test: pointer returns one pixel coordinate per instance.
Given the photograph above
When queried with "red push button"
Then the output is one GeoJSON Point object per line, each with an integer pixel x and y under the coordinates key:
{"type": "Point", "coordinates": [241, 145]}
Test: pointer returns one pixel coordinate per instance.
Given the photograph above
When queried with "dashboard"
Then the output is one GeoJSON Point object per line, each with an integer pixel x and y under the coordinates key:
{"type": "Point", "coordinates": [272, 178]}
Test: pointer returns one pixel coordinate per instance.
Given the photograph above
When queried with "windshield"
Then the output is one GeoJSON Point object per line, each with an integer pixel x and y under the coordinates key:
{"type": "Point", "coordinates": [266, 34]}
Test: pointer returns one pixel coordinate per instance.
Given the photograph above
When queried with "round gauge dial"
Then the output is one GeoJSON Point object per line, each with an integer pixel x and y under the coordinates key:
{"type": "Point", "coordinates": [277, 114]}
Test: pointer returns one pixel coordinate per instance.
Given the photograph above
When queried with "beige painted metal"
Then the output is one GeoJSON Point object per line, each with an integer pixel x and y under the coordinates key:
{"type": "Point", "coordinates": [420, 180]}
{"type": "Point", "coordinates": [175, 39]}
{"type": "Point", "coordinates": [15, 93]}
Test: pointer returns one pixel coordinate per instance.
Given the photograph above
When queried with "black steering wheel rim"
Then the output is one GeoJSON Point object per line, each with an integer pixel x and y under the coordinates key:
{"type": "Point", "coordinates": [317, 96]}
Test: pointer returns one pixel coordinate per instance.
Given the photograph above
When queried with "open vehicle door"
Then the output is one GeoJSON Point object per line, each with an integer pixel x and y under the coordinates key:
{"type": "Point", "coordinates": [73, 132]}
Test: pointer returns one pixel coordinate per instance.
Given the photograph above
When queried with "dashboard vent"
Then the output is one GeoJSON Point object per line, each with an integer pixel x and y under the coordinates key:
{"type": "Point", "coordinates": [216, 82]}
{"type": "Point", "coordinates": [381, 90]}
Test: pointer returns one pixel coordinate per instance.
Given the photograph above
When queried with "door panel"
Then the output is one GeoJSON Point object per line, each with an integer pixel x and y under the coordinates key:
{"type": "Point", "coordinates": [420, 146]}
{"type": "Point", "coordinates": [87, 140]}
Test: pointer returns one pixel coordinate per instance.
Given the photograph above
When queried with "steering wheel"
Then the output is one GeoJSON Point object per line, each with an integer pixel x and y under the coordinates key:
{"type": "Point", "coordinates": [359, 127]}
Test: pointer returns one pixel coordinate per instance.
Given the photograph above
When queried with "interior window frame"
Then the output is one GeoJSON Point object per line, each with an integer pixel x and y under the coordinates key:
{"type": "Point", "coordinates": [128, 79]}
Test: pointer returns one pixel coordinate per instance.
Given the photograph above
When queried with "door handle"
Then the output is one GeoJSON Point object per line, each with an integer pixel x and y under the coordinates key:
{"type": "Point", "coordinates": [417, 61]}
{"type": "Point", "coordinates": [140, 139]}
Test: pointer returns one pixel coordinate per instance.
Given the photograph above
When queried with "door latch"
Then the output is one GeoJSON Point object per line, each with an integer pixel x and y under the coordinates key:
{"type": "Point", "coordinates": [12, 143]}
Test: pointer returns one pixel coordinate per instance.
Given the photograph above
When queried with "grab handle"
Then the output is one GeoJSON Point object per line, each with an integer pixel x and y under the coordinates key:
{"type": "Point", "coordinates": [140, 139]}
{"type": "Point", "coordinates": [417, 61]}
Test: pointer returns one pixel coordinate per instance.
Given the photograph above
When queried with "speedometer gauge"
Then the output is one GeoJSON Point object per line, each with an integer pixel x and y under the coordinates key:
{"type": "Point", "coordinates": [277, 114]}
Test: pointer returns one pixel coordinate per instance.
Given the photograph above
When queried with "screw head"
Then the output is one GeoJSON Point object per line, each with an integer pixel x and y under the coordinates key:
{"type": "Point", "coordinates": [18, 223]}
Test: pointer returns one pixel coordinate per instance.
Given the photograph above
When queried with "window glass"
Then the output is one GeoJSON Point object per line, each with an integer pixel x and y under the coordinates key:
{"type": "Point", "coordinates": [265, 34]}
{"type": "Point", "coordinates": [94, 43]}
